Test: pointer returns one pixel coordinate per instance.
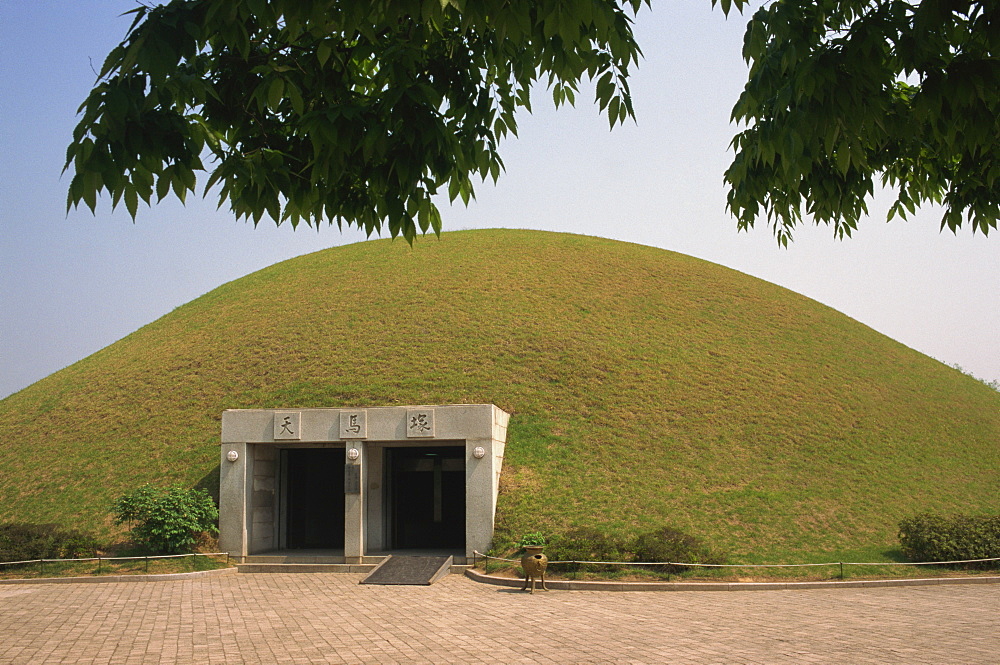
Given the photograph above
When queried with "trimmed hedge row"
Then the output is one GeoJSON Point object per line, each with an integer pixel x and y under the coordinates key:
{"type": "Point", "coordinates": [933, 537]}
{"type": "Point", "coordinates": [21, 541]}
{"type": "Point", "coordinates": [661, 544]}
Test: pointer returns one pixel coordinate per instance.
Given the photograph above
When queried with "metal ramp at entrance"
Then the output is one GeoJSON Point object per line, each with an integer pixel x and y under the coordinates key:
{"type": "Point", "coordinates": [413, 570]}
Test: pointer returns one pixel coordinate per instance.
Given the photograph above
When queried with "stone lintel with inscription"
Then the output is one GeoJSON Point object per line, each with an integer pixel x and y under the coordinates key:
{"type": "Point", "coordinates": [420, 423]}
{"type": "Point", "coordinates": [354, 424]}
{"type": "Point", "coordinates": [287, 425]}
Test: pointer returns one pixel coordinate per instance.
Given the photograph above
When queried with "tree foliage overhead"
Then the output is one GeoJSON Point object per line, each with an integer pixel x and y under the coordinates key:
{"type": "Point", "coordinates": [843, 91]}
{"type": "Point", "coordinates": [354, 112]}
{"type": "Point", "coordinates": [359, 112]}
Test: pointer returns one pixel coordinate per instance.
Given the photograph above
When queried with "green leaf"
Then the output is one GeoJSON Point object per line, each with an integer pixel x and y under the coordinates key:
{"type": "Point", "coordinates": [163, 185]}
{"type": "Point", "coordinates": [323, 50]}
{"type": "Point", "coordinates": [275, 93]}
{"type": "Point", "coordinates": [131, 200]}
{"type": "Point", "coordinates": [91, 181]}
{"type": "Point", "coordinates": [298, 105]}
{"type": "Point", "coordinates": [614, 107]}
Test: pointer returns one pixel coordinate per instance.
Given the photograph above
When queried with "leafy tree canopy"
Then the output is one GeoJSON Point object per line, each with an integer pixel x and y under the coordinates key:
{"type": "Point", "coordinates": [354, 112]}
{"type": "Point", "coordinates": [843, 91]}
{"type": "Point", "coordinates": [359, 112]}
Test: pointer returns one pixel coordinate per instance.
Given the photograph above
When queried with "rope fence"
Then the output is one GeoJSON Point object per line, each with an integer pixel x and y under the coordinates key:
{"type": "Point", "coordinates": [101, 559]}
{"type": "Point", "coordinates": [476, 554]}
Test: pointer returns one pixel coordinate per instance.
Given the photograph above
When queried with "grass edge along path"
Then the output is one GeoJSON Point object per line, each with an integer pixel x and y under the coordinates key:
{"type": "Point", "coordinates": [114, 566]}
{"type": "Point", "coordinates": [742, 572]}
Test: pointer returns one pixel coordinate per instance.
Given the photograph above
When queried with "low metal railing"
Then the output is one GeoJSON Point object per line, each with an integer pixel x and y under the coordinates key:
{"type": "Point", "coordinates": [476, 555]}
{"type": "Point", "coordinates": [100, 560]}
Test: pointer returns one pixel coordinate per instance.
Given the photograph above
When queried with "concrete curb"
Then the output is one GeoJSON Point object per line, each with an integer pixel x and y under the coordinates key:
{"type": "Point", "coordinates": [573, 585]}
{"type": "Point", "coordinates": [337, 568]}
{"type": "Point", "coordinates": [123, 578]}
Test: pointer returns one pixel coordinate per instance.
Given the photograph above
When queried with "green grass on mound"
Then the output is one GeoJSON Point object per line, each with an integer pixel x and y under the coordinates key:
{"type": "Point", "coordinates": [646, 388]}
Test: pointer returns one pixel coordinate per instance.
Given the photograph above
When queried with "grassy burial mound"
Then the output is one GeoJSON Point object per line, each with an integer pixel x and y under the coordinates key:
{"type": "Point", "coordinates": [647, 388]}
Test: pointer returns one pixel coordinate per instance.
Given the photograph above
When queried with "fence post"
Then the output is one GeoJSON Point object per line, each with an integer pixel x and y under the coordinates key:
{"type": "Point", "coordinates": [98, 565]}
{"type": "Point", "coordinates": [147, 563]}
{"type": "Point", "coordinates": [41, 567]}
{"type": "Point", "coordinates": [841, 570]}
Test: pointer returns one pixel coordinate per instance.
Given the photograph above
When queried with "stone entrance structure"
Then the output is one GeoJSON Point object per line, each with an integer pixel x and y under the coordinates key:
{"type": "Point", "coordinates": [360, 481]}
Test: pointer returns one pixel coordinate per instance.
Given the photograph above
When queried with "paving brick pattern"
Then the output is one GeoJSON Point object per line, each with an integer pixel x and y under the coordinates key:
{"type": "Point", "coordinates": [330, 618]}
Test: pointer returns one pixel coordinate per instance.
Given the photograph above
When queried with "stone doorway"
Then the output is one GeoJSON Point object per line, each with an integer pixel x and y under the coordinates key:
{"type": "Point", "coordinates": [313, 492]}
{"type": "Point", "coordinates": [425, 497]}
{"type": "Point", "coordinates": [360, 480]}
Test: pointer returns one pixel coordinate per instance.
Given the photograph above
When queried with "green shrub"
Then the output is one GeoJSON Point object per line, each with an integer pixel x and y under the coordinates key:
{"type": "Point", "coordinates": [667, 544]}
{"type": "Point", "coordinates": [586, 544]}
{"type": "Point", "coordinates": [664, 544]}
{"type": "Point", "coordinates": [932, 537]}
{"type": "Point", "coordinates": [536, 539]}
{"type": "Point", "coordinates": [22, 542]}
{"type": "Point", "coordinates": [167, 520]}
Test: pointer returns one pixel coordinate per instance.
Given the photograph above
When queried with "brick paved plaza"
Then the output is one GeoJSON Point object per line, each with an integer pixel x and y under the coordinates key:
{"type": "Point", "coordinates": [330, 618]}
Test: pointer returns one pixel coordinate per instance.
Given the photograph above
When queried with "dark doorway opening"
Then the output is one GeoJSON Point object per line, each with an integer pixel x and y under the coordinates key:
{"type": "Point", "coordinates": [425, 492]}
{"type": "Point", "coordinates": [314, 498]}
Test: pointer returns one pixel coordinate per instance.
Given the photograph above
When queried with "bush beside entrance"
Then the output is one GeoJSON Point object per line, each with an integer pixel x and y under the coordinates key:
{"type": "Point", "coordinates": [167, 520]}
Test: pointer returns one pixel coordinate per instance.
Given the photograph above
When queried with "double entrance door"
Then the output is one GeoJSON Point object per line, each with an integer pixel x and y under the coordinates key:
{"type": "Point", "coordinates": [423, 497]}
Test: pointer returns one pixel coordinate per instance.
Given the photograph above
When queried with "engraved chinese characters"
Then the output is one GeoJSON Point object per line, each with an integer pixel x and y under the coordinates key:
{"type": "Point", "coordinates": [354, 424]}
{"type": "Point", "coordinates": [420, 422]}
{"type": "Point", "coordinates": [286, 425]}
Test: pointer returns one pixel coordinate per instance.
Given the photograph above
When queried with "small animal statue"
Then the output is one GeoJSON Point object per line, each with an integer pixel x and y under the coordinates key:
{"type": "Point", "coordinates": [534, 563]}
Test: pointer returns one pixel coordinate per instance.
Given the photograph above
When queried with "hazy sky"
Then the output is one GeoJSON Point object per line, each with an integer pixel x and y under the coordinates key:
{"type": "Point", "coordinates": [70, 285]}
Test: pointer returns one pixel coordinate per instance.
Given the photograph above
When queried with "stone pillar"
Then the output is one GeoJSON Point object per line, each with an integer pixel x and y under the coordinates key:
{"type": "Point", "coordinates": [355, 481]}
{"type": "Point", "coordinates": [482, 478]}
{"type": "Point", "coordinates": [263, 518]}
{"type": "Point", "coordinates": [233, 500]}
{"type": "Point", "coordinates": [374, 504]}
{"type": "Point", "coordinates": [478, 495]}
